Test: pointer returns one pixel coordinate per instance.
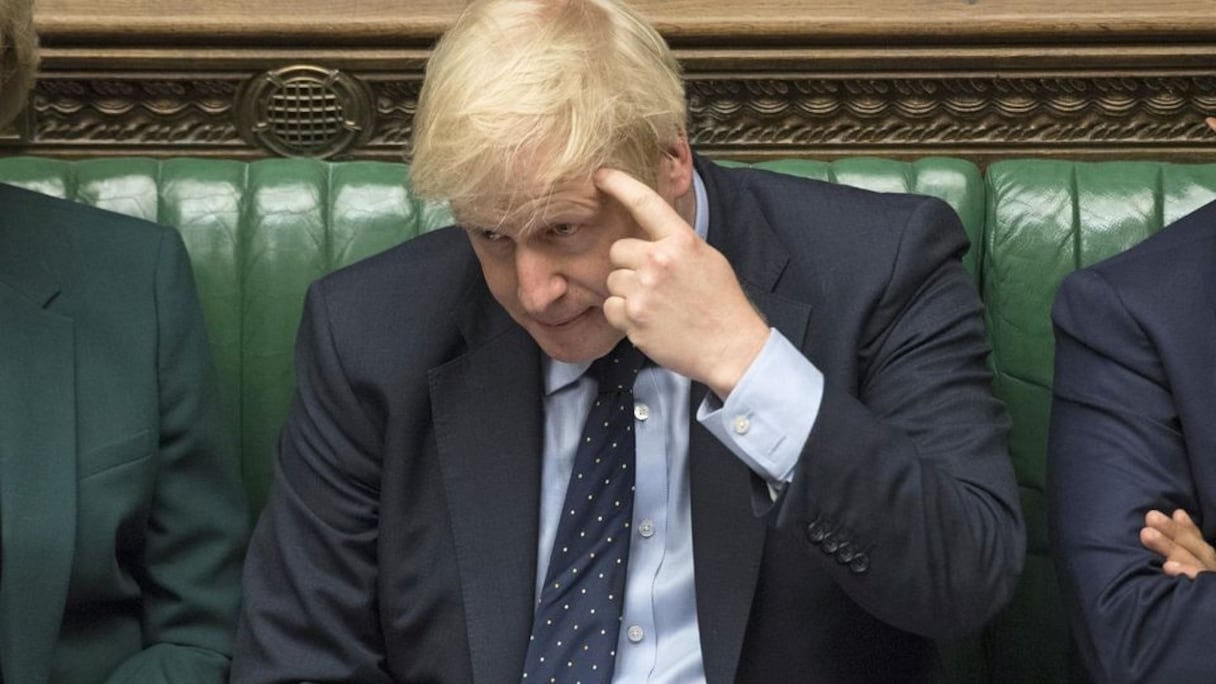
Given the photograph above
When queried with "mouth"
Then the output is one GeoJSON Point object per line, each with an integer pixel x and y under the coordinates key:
{"type": "Point", "coordinates": [559, 324]}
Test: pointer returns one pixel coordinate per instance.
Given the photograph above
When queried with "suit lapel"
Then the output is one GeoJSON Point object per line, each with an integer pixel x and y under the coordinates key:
{"type": "Point", "coordinates": [488, 430]}
{"type": "Point", "coordinates": [728, 532]}
{"type": "Point", "coordinates": [37, 471]}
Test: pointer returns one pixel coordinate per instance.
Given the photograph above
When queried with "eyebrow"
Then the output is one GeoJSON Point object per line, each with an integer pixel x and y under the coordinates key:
{"type": "Point", "coordinates": [539, 218]}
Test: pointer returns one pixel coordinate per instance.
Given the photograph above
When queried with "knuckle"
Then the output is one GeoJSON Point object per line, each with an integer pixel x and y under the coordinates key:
{"type": "Point", "coordinates": [661, 260]}
{"type": "Point", "coordinates": [637, 310]}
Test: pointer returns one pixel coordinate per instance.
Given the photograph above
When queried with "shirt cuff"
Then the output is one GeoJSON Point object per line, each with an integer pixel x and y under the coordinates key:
{"type": "Point", "coordinates": [766, 419]}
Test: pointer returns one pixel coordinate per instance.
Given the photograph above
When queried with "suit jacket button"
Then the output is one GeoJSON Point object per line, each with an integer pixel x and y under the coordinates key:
{"type": "Point", "coordinates": [831, 543]}
{"type": "Point", "coordinates": [816, 531]}
{"type": "Point", "coordinates": [859, 564]}
{"type": "Point", "coordinates": [846, 553]}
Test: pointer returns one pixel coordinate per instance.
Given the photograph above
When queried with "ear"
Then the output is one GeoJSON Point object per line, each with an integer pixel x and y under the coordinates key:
{"type": "Point", "coordinates": [675, 171]}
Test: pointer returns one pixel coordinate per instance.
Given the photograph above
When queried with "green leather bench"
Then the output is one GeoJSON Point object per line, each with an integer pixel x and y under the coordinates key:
{"type": "Point", "coordinates": [259, 232]}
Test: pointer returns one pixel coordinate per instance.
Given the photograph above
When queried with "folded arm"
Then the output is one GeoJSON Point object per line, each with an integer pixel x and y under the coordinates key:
{"type": "Point", "coordinates": [1116, 453]}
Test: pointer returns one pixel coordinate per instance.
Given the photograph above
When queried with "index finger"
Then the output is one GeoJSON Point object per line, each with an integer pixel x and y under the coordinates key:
{"type": "Point", "coordinates": [657, 218]}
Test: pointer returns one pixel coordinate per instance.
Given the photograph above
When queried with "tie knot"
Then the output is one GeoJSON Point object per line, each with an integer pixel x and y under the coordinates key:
{"type": "Point", "coordinates": [616, 370]}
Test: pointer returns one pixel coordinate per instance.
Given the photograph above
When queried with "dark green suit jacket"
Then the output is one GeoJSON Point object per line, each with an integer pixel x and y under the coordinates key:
{"type": "Point", "coordinates": [121, 509]}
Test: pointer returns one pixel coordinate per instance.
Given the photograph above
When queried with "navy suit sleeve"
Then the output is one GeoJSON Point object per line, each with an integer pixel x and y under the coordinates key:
{"type": "Point", "coordinates": [904, 486]}
{"type": "Point", "coordinates": [1116, 451]}
{"type": "Point", "coordinates": [310, 575]}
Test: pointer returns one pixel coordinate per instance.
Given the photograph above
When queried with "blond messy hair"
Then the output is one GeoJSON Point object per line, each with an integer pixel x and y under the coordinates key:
{"type": "Point", "coordinates": [524, 95]}
{"type": "Point", "coordinates": [18, 55]}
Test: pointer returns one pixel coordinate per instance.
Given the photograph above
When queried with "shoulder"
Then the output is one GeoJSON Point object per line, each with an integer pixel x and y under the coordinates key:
{"type": "Point", "coordinates": [57, 214]}
{"type": "Point", "coordinates": [833, 220]}
{"type": "Point", "coordinates": [1168, 271]}
{"type": "Point", "coordinates": [421, 270]}
{"type": "Point", "coordinates": [843, 243]}
{"type": "Point", "coordinates": [86, 250]}
{"type": "Point", "coordinates": [404, 299]}
{"type": "Point", "coordinates": [788, 193]}
{"type": "Point", "coordinates": [1185, 242]}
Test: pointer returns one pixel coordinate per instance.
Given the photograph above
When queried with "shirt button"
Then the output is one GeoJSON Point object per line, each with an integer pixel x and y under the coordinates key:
{"type": "Point", "coordinates": [646, 528]}
{"type": "Point", "coordinates": [635, 633]}
{"type": "Point", "coordinates": [742, 425]}
{"type": "Point", "coordinates": [641, 411]}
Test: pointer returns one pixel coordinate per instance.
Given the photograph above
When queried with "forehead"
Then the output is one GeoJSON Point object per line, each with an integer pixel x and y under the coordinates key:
{"type": "Point", "coordinates": [526, 208]}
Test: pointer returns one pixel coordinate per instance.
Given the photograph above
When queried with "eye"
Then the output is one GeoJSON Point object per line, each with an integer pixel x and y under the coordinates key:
{"type": "Point", "coordinates": [564, 229]}
{"type": "Point", "coordinates": [490, 235]}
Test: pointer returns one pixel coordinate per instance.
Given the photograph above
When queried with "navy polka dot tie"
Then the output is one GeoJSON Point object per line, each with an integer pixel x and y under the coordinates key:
{"type": "Point", "coordinates": [578, 613]}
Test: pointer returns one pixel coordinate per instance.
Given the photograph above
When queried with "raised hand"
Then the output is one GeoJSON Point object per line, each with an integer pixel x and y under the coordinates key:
{"type": "Point", "coordinates": [675, 296]}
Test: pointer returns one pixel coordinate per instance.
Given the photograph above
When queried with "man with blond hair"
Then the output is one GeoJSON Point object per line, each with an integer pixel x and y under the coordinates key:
{"type": "Point", "coordinates": [805, 478]}
{"type": "Point", "coordinates": [122, 511]}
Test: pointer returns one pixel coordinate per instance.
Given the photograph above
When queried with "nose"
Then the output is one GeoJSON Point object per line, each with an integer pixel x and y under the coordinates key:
{"type": "Point", "coordinates": [539, 280]}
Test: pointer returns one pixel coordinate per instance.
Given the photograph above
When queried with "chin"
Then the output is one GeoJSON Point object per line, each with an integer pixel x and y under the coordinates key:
{"type": "Point", "coordinates": [578, 350]}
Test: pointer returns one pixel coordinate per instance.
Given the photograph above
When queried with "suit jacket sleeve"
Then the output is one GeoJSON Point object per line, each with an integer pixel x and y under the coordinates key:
{"type": "Point", "coordinates": [904, 487]}
{"type": "Point", "coordinates": [196, 527]}
{"type": "Point", "coordinates": [1116, 451]}
{"type": "Point", "coordinates": [310, 576]}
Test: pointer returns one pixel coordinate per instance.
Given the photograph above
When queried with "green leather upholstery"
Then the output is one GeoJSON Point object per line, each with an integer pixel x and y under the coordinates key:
{"type": "Point", "coordinates": [259, 232]}
{"type": "Point", "coordinates": [1044, 220]}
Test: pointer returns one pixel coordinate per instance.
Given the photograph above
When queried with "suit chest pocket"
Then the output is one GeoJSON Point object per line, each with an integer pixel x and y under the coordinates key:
{"type": "Point", "coordinates": [114, 456]}
{"type": "Point", "coordinates": [114, 492]}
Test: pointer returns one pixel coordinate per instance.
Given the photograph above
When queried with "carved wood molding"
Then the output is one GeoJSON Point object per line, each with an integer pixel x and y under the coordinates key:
{"type": "Point", "coordinates": [972, 115]}
{"type": "Point", "coordinates": [101, 112]}
{"type": "Point", "coordinates": [219, 115]}
{"type": "Point", "coordinates": [742, 114]}
{"type": "Point", "coordinates": [339, 79]}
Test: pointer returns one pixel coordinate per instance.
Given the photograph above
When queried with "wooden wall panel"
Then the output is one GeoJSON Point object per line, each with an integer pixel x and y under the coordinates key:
{"type": "Point", "coordinates": [981, 79]}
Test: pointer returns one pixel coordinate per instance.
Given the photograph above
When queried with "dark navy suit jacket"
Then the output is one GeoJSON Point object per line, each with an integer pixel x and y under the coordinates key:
{"type": "Point", "coordinates": [1134, 428]}
{"type": "Point", "coordinates": [400, 540]}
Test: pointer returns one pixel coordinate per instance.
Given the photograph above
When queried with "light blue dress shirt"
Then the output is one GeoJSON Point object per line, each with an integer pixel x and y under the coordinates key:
{"type": "Point", "coordinates": [765, 422]}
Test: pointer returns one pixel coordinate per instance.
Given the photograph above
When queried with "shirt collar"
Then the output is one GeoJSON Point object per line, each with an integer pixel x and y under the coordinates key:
{"type": "Point", "coordinates": [700, 222]}
{"type": "Point", "coordinates": [559, 374]}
